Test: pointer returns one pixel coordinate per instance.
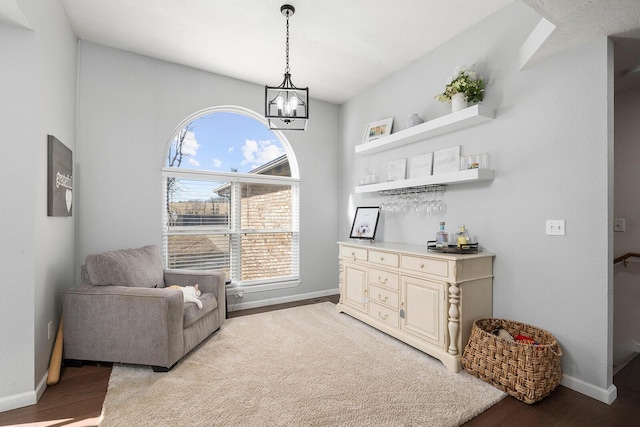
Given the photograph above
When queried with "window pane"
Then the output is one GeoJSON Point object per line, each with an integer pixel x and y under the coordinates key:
{"type": "Point", "coordinates": [266, 256]}
{"type": "Point", "coordinates": [200, 252]}
{"type": "Point", "coordinates": [198, 203]}
{"type": "Point", "coordinates": [228, 142]}
{"type": "Point", "coordinates": [265, 207]}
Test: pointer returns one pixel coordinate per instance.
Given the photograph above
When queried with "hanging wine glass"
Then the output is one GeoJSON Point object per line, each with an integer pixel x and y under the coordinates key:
{"type": "Point", "coordinates": [431, 207]}
{"type": "Point", "coordinates": [441, 206]}
{"type": "Point", "coordinates": [425, 203]}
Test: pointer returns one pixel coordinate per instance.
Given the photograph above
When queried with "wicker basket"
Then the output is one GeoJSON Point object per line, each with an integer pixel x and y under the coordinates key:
{"type": "Point", "coordinates": [525, 371]}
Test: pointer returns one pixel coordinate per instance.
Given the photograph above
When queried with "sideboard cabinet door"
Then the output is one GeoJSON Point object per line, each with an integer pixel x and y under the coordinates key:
{"type": "Point", "coordinates": [355, 286]}
{"type": "Point", "coordinates": [424, 305]}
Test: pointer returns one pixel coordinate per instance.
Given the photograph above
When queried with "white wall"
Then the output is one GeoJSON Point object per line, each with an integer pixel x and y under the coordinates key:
{"type": "Point", "coordinates": [17, 251]}
{"type": "Point", "coordinates": [550, 147]}
{"type": "Point", "coordinates": [627, 205]}
{"type": "Point", "coordinates": [129, 106]}
{"type": "Point", "coordinates": [37, 254]}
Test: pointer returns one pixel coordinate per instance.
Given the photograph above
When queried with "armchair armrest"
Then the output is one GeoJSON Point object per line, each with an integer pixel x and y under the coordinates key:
{"type": "Point", "coordinates": [123, 324]}
{"type": "Point", "coordinates": [208, 281]}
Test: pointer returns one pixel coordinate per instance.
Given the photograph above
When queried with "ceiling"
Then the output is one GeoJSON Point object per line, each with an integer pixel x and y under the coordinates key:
{"type": "Point", "coordinates": [580, 20]}
{"type": "Point", "coordinates": [337, 48]}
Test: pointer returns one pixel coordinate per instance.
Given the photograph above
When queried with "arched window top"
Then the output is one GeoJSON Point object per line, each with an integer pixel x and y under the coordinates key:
{"type": "Point", "coordinates": [230, 140]}
{"type": "Point", "coordinates": [231, 190]}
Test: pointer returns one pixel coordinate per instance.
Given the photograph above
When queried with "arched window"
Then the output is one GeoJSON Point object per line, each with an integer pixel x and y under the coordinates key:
{"type": "Point", "coordinates": [231, 191]}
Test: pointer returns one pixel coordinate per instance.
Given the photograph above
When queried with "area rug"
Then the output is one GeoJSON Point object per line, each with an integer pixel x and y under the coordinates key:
{"type": "Point", "coordinates": [303, 366]}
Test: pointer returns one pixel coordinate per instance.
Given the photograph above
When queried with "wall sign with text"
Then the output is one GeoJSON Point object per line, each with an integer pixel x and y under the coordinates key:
{"type": "Point", "coordinates": [59, 178]}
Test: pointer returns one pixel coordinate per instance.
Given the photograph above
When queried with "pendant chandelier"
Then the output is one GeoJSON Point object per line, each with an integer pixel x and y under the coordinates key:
{"type": "Point", "coordinates": [286, 107]}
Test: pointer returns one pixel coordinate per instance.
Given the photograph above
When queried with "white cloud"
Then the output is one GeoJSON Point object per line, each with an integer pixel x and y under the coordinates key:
{"type": "Point", "coordinates": [217, 163]}
{"type": "Point", "coordinates": [260, 152]}
{"type": "Point", "coordinates": [230, 150]}
{"type": "Point", "coordinates": [193, 162]}
{"type": "Point", "coordinates": [190, 145]}
{"type": "Point", "coordinates": [249, 150]}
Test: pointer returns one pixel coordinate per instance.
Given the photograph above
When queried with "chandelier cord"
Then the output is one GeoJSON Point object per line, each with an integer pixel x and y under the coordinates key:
{"type": "Point", "coordinates": [286, 69]}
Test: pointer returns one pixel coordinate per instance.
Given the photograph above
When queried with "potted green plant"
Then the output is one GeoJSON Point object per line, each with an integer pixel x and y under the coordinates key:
{"type": "Point", "coordinates": [462, 88]}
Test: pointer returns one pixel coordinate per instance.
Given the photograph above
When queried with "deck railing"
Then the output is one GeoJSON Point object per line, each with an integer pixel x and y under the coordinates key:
{"type": "Point", "coordinates": [625, 258]}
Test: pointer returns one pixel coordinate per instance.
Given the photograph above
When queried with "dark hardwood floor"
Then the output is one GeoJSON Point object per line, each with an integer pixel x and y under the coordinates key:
{"type": "Point", "coordinates": [77, 399]}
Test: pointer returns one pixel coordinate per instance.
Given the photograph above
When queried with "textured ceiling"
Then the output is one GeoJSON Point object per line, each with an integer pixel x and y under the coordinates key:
{"type": "Point", "coordinates": [580, 20]}
{"type": "Point", "coordinates": [338, 48]}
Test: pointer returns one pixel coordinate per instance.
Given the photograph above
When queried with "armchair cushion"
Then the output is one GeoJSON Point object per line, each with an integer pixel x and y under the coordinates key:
{"type": "Point", "coordinates": [192, 313]}
{"type": "Point", "coordinates": [139, 267]}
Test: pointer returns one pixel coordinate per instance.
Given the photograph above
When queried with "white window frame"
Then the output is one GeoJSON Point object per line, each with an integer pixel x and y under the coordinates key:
{"type": "Point", "coordinates": [236, 179]}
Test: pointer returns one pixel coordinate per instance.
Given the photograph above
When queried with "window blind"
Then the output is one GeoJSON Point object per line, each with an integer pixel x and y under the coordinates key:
{"type": "Point", "coordinates": [242, 225]}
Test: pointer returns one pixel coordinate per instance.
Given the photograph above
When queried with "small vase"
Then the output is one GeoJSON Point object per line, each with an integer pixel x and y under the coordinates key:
{"type": "Point", "coordinates": [458, 102]}
{"type": "Point", "coordinates": [414, 119]}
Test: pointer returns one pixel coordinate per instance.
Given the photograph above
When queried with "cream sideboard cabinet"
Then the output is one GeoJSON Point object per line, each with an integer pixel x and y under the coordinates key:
{"type": "Point", "coordinates": [427, 300]}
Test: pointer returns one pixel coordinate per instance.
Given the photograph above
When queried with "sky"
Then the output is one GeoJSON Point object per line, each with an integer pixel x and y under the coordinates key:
{"type": "Point", "coordinates": [225, 141]}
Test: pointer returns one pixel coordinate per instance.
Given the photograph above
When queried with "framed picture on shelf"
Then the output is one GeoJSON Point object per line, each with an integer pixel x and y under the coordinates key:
{"type": "Point", "coordinates": [397, 170]}
{"type": "Point", "coordinates": [365, 223]}
{"type": "Point", "coordinates": [378, 129]}
{"type": "Point", "coordinates": [421, 165]}
{"type": "Point", "coordinates": [446, 160]}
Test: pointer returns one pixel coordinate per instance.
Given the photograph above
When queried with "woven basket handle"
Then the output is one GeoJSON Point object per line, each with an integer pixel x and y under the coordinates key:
{"type": "Point", "coordinates": [557, 353]}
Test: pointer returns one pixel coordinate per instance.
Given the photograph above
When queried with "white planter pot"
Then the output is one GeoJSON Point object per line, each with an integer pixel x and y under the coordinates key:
{"type": "Point", "coordinates": [458, 102]}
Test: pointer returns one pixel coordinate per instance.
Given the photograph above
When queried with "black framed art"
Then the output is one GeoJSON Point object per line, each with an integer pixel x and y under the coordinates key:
{"type": "Point", "coordinates": [365, 223]}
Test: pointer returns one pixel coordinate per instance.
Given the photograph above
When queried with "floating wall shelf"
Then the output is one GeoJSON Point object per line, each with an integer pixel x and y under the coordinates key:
{"type": "Point", "coordinates": [460, 177]}
{"type": "Point", "coordinates": [470, 116]}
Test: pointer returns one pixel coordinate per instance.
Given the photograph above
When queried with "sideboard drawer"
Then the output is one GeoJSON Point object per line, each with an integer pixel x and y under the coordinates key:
{"type": "Point", "coordinates": [426, 265]}
{"type": "Point", "coordinates": [384, 258]}
{"type": "Point", "coordinates": [384, 314]}
{"type": "Point", "coordinates": [384, 278]}
{"type": "Point", "coordinates": [353, 253]}
{"type": "Point", "coordinates": [384, 296]}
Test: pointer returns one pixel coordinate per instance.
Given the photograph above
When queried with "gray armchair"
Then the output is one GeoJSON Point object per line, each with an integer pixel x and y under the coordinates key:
{"type": "Point", "coordinates": [121, 312]}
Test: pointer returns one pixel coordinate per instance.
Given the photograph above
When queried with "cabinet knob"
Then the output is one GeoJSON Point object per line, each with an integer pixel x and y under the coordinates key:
{"type": "Point", "coordinates": [381, 258]}
{"type": "Point", "coordinates": [384, 282]}
{"type": "Point", "coordinates": [382, 317]}
{"type": "Point", "coordinates": [353, 255]}
{"type": "Point", "coordinates": [381, 299]}
{"type": "Point", "coordinates": [421, 265]}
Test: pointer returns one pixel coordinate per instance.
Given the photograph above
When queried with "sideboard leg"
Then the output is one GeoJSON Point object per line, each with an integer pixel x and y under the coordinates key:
{"type": "Point", "coordinates": [454, 317]}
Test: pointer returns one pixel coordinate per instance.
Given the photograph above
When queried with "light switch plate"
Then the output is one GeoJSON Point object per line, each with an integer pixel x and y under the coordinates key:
{"type": "Point", "coordinates": [555, 227]}
{"type": "Point", "coordinates": [619, 224]}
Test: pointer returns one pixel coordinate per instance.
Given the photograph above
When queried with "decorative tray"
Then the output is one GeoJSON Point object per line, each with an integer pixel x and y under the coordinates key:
{"type": "Point", "coordinates": [468, 248]}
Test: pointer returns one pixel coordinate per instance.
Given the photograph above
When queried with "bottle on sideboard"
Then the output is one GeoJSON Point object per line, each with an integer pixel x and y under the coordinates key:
{"type": "Point", "coordinates": [462, 237]}
{"type": "Point", "coordinates": [442, 237]}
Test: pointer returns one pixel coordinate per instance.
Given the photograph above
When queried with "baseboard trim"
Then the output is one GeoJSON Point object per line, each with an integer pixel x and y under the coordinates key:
{"type": "Point", "coordinates": [273, 301]}
{"type": "Point", "coordinates": [603, 395]}
{"type": "Point", "coordinates": [42, 386]}
{"type": "Point", "coordinates": [27, 398]}
{"type": "Point", "coordinates": [16, 401]}
{"type": "Point", "coordinates": [624, 353]}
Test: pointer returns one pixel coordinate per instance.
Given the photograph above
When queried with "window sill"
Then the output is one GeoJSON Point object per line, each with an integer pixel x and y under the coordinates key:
{"type": "Point", "coordinates": [247, 289]}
